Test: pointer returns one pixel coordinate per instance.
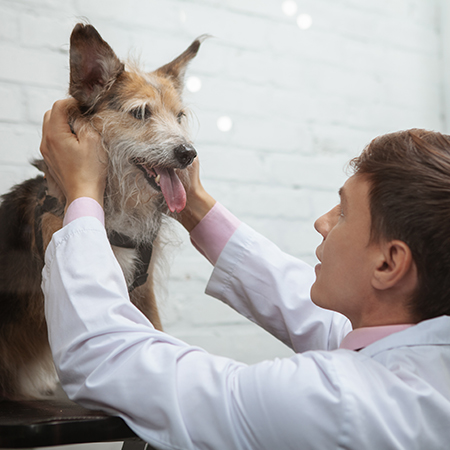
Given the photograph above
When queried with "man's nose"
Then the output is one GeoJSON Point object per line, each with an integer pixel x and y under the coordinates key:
{"type": "Point", "coordinates": [325, 223]}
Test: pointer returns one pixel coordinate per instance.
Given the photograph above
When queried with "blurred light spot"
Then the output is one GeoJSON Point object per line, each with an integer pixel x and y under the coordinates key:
{"type": "Point", "coordinates": [224, 123]}
{"type": "Point", "coordinates": [183, 17]}
{"type": "Point", "coordinates": [304, 21]}
{"type": "Point", "coordinates": [289, 7]}
{"type": "Point", "coordinates": [193, 84]}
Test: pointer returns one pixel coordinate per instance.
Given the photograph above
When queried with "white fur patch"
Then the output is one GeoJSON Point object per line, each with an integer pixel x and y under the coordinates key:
{"type": "Point", "coordinates": [127, 258]}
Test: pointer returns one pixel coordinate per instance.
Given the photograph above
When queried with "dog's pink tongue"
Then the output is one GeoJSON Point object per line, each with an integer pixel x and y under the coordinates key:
{"type": "Point", "coordinates": [172, 189]}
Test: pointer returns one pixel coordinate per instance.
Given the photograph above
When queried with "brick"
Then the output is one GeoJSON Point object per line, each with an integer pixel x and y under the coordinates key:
{"type": "Point", "coordinates": [41, 68]}
{"type": "Point", "coordinates": [12, 107]}
{"type": "Point", "coordinates": [344, 140]}
{"type": "Point", "coordinates": [268, 134]}
{"type": "Point", "coordinates": [162, 15]}
{"type": "Point", "coordinates": [40, 100]}
{"type": "Point", "coordinates": [45, 32]}
{"type": "Point", "coordinates": [199, 309]}
{"type": "Point", "coordinates": [272, 10]}
{"type": "Point", "coordinates": [215, 59]}
{"type": "Point", "coordinates": [187, 264]}
{"type": "Point", "coordinates": [229, 26]}
{"type": "Point", "coordinates": [9, 24]}
{"type": "Point", "coordinates": [297, 238]}
{"type": "Point", "coordinates": [154, 49]}
{"type": "Point", "coordinates": [19, 144]}
{"type": "Point", "coordinates": [255, 67]}
{"type": "Point", "coordinates": [319, 172]}
{"type": "Point", "coordinates": [232, 96]}
{"type": "Point", "coordinates": [46, 6]}
{"type": "Point", "coordinates": [288, 39]}
{"type": "Point", "coordinates": [10, 175]}
{"type": "Point", "coordinates": [233, 165]}
{"type": "Point", "coordinates": [263, 201]}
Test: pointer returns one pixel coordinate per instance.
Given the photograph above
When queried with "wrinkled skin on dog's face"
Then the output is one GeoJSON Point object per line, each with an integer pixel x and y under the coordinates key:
{"type": "Point", "coordinates": [142, 121]}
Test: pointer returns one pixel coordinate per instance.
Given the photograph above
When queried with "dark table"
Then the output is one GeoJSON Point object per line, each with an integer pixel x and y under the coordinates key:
{"type": "Point", "coordinates": [42, 423]}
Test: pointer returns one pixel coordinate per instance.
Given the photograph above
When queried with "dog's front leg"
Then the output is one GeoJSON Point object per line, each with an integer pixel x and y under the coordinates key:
{"type": "Point", "coordinates": [143, 297]}
{"type": "Point", "coordinates": [50, 224]}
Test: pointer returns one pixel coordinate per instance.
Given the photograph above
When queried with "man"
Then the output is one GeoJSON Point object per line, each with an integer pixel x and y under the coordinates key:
{"type": "Point", "coordinates": [386, 384]}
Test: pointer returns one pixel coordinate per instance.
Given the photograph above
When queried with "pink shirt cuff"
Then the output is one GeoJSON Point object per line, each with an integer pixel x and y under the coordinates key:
{"type": "Point", "coordinates": [213, 232]}
{"type": "Point", "coordinates": [82, 207]}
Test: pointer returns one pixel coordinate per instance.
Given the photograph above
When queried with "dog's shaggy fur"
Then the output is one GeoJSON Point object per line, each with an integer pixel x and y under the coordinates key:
{"type": "Point", "coordinates": [141, 119]}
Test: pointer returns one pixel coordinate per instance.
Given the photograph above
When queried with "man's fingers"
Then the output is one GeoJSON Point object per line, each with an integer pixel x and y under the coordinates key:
{"type": "Point", "coordinates": [43, 147]}
{"type": "Point", "coordinates": [59, 115]}
{"type": "Point", "coordinates": [46, 118]}
{"type": "Point", "coordinates": [61, 107]}
{"type": "Point", "coordinates": [53, 187]}
{"type": "Point", "coordinates": [89, 139]}
{"type": "Point", "coordinates": [56, 120]}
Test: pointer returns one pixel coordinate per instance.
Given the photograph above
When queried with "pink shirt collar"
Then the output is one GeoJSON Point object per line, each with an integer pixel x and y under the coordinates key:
{"type": "Point", "coordinates": [362, 337]}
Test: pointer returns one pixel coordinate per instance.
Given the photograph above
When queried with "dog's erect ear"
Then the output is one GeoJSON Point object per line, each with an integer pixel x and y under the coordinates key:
{"type": "Point", "coordinates": [93, 65]}
{"type": "Point", "coordinates": [177, 68]}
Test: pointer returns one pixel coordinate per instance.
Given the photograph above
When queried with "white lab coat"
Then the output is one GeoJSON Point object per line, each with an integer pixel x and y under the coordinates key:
{"type": "Point", "coordinates": [394, 394]}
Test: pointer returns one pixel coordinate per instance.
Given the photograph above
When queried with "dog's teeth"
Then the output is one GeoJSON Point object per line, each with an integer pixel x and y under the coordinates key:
{"type": "Point", "coordinates": [157, 179]}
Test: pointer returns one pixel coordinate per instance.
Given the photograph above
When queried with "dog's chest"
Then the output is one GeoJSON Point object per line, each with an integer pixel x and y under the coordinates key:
{"type": "Point", "coordinates": [128, 259]}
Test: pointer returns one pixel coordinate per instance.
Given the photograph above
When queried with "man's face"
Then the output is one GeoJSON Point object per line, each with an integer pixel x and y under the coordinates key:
{"type": "Point", "coordinates": [347, 259]}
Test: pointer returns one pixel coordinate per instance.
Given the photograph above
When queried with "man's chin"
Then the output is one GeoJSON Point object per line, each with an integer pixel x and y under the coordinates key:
{"type": "Point", "coordinates": [319, 299]}
{"type": "Point", "coordinates": [313, 294]}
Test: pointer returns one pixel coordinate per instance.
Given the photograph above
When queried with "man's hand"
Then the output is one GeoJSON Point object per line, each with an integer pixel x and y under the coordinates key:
{"type": "Point", "coordinates": [198, 203]}
{"type": "Point", "coordinates": [77, 163]}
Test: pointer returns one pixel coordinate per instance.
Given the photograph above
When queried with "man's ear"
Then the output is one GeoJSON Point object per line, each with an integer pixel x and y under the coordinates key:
{"type": "Point", "coordinates": [395, 267]}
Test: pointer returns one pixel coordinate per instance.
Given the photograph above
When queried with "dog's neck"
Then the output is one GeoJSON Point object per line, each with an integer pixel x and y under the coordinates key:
{"type": "Point", "coordinates": [144, 256]}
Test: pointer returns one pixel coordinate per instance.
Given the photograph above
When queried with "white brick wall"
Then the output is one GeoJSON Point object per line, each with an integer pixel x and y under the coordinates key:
{"type": "Point", "coordinates": [302, 102]}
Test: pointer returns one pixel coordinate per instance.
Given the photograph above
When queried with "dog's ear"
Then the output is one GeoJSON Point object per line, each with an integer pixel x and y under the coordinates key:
{"type": "Point", "coordinates": [93, 65]}
{"type": "Point", "coordinates": [177, 68]}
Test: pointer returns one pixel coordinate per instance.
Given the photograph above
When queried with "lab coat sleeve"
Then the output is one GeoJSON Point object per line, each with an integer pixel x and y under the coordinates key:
{"type": "Point", "coordinates": [272, 289]}
{"type": "Point", "coordinates": [109, 356]}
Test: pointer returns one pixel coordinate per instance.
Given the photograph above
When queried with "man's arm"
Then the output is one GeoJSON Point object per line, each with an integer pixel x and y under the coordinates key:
{"type": "Point", "coordinates": [256, 278]}
{"type": "Point", "coordinates": [272, 289]}
{"type": "Point", "coordinates": [109, 356]}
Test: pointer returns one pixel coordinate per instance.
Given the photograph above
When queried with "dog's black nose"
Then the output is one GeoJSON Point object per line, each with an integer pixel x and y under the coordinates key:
{"type": "Point", "coordinates": [185, 154]}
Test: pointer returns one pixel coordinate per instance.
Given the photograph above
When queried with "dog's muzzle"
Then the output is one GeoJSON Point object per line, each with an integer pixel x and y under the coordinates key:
{"type": "Point", "coordinates": [165, 179]}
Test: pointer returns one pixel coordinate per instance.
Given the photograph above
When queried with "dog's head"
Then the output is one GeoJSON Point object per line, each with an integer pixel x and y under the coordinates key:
{"type": "Point", "coordinates": [140, 116]}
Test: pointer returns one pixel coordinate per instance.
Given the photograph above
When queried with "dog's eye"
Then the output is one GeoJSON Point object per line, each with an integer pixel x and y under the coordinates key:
{"type": "Point", "coordinates": [141, 113]}
{"type": "Point", "coordinates": [180, 116]}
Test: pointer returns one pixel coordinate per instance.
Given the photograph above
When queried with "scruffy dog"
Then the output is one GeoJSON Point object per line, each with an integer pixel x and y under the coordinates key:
{"type": "Point", "coordinates": [142, 121]}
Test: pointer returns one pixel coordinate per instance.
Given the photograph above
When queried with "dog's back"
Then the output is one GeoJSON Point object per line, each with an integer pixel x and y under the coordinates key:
{"type": "Point", "coordinates": [24, 351]}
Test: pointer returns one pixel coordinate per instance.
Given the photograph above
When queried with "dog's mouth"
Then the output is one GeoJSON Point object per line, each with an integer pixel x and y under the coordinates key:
{"type": "Point", "coordinates": [165, 180]}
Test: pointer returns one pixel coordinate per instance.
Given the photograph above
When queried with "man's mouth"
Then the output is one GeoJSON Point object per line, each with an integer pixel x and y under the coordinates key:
{"type": "Point", "coordinates": [318, 256]}
{"type": "Point", "coordinates": [165, 180]}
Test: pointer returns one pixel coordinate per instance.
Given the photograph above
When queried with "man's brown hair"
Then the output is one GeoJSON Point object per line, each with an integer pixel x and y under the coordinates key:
{"type": "Point", "coordinates": [409, 199]}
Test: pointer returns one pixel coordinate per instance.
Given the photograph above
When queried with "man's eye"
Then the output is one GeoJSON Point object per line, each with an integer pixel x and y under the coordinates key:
{"type": "Point", "coordinates": [141, 113]}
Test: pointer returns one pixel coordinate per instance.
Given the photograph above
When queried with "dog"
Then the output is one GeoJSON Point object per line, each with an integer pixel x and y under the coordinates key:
{"type": "Point", "coordinates": [143, 126]}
